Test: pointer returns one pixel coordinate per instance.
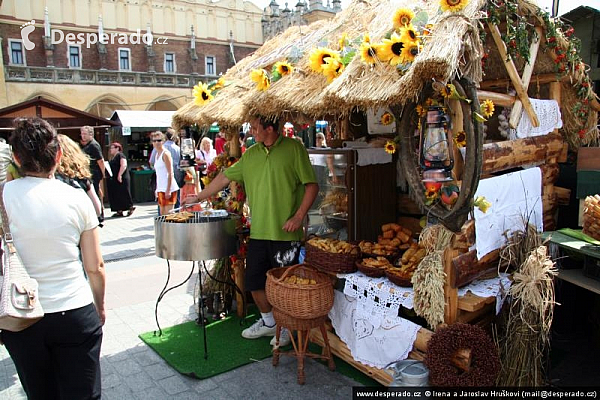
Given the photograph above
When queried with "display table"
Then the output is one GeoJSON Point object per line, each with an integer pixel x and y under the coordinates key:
{"type": "Point", "coordinates": [369, 334]}
{"type": "Point", "coordinates": [584, 249]}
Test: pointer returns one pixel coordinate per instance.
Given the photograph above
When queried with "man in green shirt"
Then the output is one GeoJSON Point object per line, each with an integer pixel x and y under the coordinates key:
{"type": "Point", "coordinates": [280, 186]}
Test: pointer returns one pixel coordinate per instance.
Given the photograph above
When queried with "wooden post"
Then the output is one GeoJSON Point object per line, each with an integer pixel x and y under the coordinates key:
{"type": "Point", "coordinates": [514, 75]}
{"type": "Point", "coordinates": [238, 273]}
{"type": "Point", "coordinates": [517, 110]}
{"type": "Point", "coordinates": [450, 292]}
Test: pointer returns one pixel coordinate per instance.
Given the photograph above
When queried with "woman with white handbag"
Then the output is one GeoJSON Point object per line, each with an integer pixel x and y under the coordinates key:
{"type": "Point", "coordinates": [58, 357]}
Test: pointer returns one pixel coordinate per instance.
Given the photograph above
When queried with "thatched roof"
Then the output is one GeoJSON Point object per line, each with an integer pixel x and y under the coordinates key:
{"type": "Point", "coordinates": [453, 49]}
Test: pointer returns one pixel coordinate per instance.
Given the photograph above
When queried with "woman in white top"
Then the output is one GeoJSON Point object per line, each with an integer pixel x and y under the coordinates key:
{"type": "Point", "coordinates": [205, 155]}
{"type": "Point", "coordinates": [166, 187]}
{"type": "Point", "coordinates": [50, 221]}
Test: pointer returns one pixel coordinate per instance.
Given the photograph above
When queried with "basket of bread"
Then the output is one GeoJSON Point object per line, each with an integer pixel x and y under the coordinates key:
{"type": "Point", "coordinates": [393, 241]}
{"type": "Point", "coordinates": [300, 291]}
{"type": "Point", "coordinates": [332, 255]}
{"type": "Point", "coordinates": [374, 266]}
{"type": "Point", "coordinates": [591, 216]}
{"type": "Point", "coordinates": [401, 273]}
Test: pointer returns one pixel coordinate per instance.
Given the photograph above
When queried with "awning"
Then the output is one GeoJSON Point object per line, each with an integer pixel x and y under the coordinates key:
{"type": "Point", "coordinates": [142, 120]}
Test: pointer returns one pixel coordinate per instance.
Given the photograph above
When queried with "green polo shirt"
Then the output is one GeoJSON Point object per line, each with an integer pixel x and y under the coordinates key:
{"type": "Point", "coordinates": [274, 181]}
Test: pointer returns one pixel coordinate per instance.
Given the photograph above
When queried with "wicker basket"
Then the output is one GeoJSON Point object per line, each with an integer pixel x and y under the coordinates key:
{"type": "Point", "coordinates": [292, 323]}
{"type": "Point", "coordinates": [332, 262]}
{"type": "Point", "coordinates": [368, 270]}
{"type": "Point", "coordinates": [300, 301]}
{"type": "Point", "coordinates": [398, 280]}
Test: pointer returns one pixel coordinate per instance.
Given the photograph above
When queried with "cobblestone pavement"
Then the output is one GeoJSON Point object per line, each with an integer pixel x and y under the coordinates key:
{"type": "Point", "coordinates": [131, 370]}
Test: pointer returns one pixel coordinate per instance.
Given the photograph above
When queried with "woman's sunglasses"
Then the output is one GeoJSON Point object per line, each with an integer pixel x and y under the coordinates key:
{"type": "Point", "coordinates": [157, 140]}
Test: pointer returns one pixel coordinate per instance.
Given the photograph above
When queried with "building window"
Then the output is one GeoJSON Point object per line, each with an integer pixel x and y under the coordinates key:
{"type": "Point", "coordinates": [210, 65]}
{"type": "Point", "coordinates": [170, 63]}
{"type": "Point", "coordinates": [124, 59]}
{"type": "Point", "coordinates": [74, 56]}
{"type": "Point", "coordinates": [16, 53]}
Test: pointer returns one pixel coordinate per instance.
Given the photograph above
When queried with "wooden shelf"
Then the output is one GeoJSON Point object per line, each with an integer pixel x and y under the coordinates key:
{"type": "Point", "coordinates": [576, 277]}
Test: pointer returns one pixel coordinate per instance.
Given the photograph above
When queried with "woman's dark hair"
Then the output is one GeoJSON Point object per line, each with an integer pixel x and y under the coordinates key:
{"type": "Point", "coordinates": [35, 144]}
{"type": "Point", "coordinates": [117, 145]}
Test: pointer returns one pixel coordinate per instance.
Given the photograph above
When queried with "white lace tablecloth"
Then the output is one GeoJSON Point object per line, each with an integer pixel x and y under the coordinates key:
{"type": "Point", "coordinates": [365, 315]}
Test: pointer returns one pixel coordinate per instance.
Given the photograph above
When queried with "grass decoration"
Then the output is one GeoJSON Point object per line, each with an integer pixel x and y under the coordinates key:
{"type": "Point", "coordinates": [526, 339]}
{"type": "Point", "coordinates": [428, 279]}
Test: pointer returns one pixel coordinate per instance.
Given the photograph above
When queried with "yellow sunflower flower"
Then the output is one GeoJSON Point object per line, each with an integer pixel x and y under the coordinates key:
{"type": "Point", "coordinates": [402, 17]}
{"type": "Point", "coordinates": [390, 147]}
{"type": "Point", "coordinates": [428, 30]}
{"type": "Point", "coordinates": [428, 103]}
{"type": "Point", "coordinates": [318, 56]}
{"type": "Point", "coordinates": [202, 94]}
{"type": "Point", "coordinates": [408, 34]}
{"type": "Point", "coordinates": [343, 40]}
{"type": "Point", "coordinates": [284, 68]}
{"type": "Point", "coordinates": [453, 5]}
{"type": "Point", "coordinates": [421, 111]}
{"type": "Point", "coordinates": [219, 84]}
{"type": "Point", "coordinates": [332, 68]}
{"type": "Point", "coordinates": [460, 138]}
{"type": "Point", "coordinates": [446, 91]}
{"type": "Point", "coordinates": [409, 52]}
{"type": "Point", "coordinates": [387, 118]}
{"type": "Point", "coordinates": [261, 78]}
{"type": "Point", "coordinates": [391, 49]}
{"type": "Point", "coordinates": [367, 38]}
{"type": "Point", "coordinates": [369, 52]}
{"type": "Point", "coordinates": [482, 203]}
{"type": "Point", "coordinates": [487, 108]}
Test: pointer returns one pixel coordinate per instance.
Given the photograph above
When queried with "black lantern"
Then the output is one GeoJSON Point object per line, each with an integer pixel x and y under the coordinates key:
{"type": "Point", "coordinates": [435, 152]}
{"type": "Point", "coordinates": [187, 153]}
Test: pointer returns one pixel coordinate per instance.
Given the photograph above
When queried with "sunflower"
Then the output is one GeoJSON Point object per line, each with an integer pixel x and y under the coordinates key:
{"type": "Point", "coordinates": [284, 68]}
{"type": "Point", "coordinates": [429, 102]}
{"type": "Point", "coordinates": [318, 56]}
{"type": "Point", "coordinates": [218, 84]}
{"type": "Point", "coordinates": [367, 38]}
{"type": "Point", "coordinates": [202, 94]}
{"type": "Point", "coordinates": [261, 78]}
{"type": "Point", "coordinates": [408, 34]}
{"type": "Point", "coordinates": [409, 52]}
{"type": "Point", "coordinates": [428, 30]}
{"type": "Point", "coordinates": [391, 49]}
{"type": "Point", "coordinates": [453, 5]}
{"type": "Point", "coordinates": [390, 147]}
{"type": "Point", "coordinates": [402, 17]}
{"type": "Point", "coordinates": [460, 138]}
{"type": "Point", "coordinates": [387, 118]}
{"type": "Point", "coordinates": [369, 52]}
{"type": "Point", "coordinates": [487, 108]}
{"type": "Point", "coordinates": [446, 91]}
{"type": "Point", "coordinates": [343, 40]}
{"type": "Point", "coordinates": [421, 111]}
{"type": "Point", "coordinates": [332, 68]}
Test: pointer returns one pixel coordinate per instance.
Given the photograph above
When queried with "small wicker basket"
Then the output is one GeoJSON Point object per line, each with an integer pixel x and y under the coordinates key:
{"type": "Point", "coordinates": [368, 270]}
{"type": "Point", "coordinates": [399, 280]}
{"type": "Point", "coordinates": [297, 300]}
{"type": "Point", "coordinates": [332, 262]}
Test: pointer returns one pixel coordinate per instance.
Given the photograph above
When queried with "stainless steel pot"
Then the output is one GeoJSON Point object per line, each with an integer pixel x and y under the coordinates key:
{"type": "Point", "coordinates": [199, 238]}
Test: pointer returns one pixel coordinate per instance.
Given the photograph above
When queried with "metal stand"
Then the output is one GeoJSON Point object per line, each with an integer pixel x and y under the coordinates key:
{"type": "Point", "coordinates": [164, 291]}
{"type": "Point", "coordinates": [201, 311]}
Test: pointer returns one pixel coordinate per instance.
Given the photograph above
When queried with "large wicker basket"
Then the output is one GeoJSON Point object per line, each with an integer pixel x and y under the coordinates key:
{"type": "Point", "coordinates": [304, 301]}
{"type": "Point", "coordinates": [332, 262]}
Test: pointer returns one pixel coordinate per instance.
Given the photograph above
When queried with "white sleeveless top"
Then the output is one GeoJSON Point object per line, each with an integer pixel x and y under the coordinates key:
{"type": "Point", "coordinates": [161, 175]}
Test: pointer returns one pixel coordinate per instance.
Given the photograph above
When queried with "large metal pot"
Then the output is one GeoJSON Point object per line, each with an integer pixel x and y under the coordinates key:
{"type": "Point", "coordinates": [199, 238]}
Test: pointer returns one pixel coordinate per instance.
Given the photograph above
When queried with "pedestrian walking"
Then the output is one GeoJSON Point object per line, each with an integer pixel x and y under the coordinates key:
{"type": "Point", "coordinates": [119, 194]}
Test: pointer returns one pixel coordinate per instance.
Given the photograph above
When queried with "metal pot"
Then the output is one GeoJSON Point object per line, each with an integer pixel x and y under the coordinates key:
{"type": "Point", "coordinates": [199, 238]}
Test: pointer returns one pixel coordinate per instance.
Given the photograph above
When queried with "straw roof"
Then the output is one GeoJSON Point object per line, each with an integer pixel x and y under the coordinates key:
{"type": "Point", "coordinates": [454, 49]}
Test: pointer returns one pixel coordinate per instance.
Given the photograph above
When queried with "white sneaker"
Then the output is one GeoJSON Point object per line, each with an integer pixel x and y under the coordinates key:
{"type": "Point", "coordinates": [258, 329]}
{"type": "Point", "coordinates": [284, 338]}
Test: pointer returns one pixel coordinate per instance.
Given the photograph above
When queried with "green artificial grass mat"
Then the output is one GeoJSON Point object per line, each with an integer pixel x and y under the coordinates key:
{"type": "Point", "coordinates": [182, 347]}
